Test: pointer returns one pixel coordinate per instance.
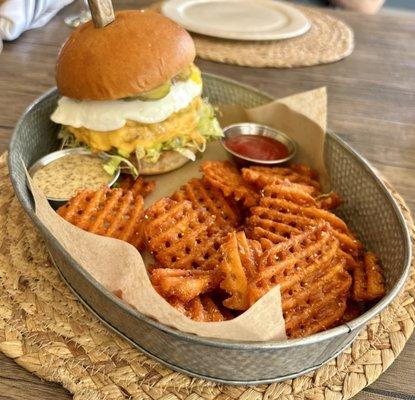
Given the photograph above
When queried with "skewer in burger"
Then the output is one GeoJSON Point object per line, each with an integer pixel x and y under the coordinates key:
{"type": "Point", "coordinates": [131, 90]}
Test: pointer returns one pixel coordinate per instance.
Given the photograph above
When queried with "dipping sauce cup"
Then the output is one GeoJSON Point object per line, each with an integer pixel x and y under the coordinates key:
{"type": "Point", "coordinates": [251, 143]}
{"type": "Point", "coordinates": [71, 176]}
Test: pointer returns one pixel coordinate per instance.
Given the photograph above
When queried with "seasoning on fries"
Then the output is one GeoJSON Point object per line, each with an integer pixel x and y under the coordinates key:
{"type": "Point", "coordinates": [225, 177]}
{"type": "Point", "coordinates": [201, 195]}
{"type": "Point", "coordinates": [107, 212]}
{"type": "Point", "coordinates": [223, 241]}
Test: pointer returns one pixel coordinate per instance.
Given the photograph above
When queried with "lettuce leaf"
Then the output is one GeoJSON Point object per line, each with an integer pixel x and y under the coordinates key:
{"type": "Point", "coordinates": [114, 162]}
{"type": "Point", "coordinates": [208, 125]}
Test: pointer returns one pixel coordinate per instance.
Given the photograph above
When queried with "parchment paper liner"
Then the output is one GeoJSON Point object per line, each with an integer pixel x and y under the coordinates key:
{"type": "Point", "coordinates": [118, 266]}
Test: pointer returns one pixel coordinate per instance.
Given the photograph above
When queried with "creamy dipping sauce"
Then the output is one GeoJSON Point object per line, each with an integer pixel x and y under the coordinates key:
{"type": "Point", "coordinates": [64, 177]}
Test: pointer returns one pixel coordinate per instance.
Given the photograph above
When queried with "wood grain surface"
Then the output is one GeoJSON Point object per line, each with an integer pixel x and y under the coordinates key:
{"type": "Point", "coordinates": [102, 12]}
{"type": "Point", "coordinates": [371, 105]}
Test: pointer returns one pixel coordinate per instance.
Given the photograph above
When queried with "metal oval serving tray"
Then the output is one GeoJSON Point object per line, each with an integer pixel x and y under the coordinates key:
{"type": "Point", "coordinates": [369, 210]}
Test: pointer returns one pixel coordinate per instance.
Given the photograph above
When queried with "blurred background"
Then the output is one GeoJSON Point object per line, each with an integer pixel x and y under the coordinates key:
{"type": "Point", "coordinates": [364, 4]}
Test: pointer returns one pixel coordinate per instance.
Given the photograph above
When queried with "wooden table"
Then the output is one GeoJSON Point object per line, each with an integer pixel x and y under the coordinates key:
{"type": "Point", "coordinates": [371, 104]}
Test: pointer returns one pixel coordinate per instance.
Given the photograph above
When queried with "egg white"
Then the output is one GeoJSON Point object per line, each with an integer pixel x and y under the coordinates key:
{"type": "Point", "coordinates": [104, 116]}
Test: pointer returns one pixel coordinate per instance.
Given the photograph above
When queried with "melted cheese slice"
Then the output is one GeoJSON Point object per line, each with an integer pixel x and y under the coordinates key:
{"type": "Point", "coordinates": [106, 116]}
{"type": "Point", "coordinates": [134, 134]}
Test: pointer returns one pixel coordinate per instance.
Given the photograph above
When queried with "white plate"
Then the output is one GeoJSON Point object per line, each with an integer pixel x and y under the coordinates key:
{"type": "Point", "coordinates": [238, 19]}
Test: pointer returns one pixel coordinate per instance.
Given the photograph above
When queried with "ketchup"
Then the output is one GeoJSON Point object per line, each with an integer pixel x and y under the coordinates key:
{"type": "Point", "coordinates": [257, 147]}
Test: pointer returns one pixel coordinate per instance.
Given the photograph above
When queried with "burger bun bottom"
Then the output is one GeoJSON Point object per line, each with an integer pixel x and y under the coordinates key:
{"type": "Point", "coordinates": [168, 161]}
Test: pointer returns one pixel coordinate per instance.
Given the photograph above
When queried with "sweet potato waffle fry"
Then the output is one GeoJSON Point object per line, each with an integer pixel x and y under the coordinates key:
{"type": "Point", "coordinates": [108, 212]}
{"type": "Point", "coordinates": [368, 284]}
{"type": "Point", "coordinates": [202, 195]}
{"type": "Point", "coordinates": [183, 285]}
{"type": "Point", "coordinates": [212, 263]}
{"type": "Point", "coordinates": [311, 276]}
{"type": "Point", "coordinates": [328, 201]}
{"type": "Point", "coordinates": [137, 186]}
{"type": "Point", "coordinates": [239, 266]}
{"type": "Point", "coordinates": [294, 192]}
{"type": "Point", "coordinates": [283, 212]}
{"type": "Point", "coordinates": [202, 309]}
{"type": "Point", "coordinates": [226, 177]}
{"type": "Point", "coordinates": [296, 173]}
{"type": "Point", "coordinates": [182, 237]}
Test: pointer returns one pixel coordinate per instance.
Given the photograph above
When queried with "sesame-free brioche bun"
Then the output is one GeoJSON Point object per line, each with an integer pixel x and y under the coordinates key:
{"type": "Point", "coordinates": [138, 52]}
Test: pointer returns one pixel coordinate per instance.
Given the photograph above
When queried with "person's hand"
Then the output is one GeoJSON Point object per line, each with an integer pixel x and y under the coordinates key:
{"type": "Point", "coordinates": [362, 6]}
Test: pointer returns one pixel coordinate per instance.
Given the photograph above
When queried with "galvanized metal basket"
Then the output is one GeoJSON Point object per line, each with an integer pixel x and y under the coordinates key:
{"type": "Point", "coordinates": [369, 210]}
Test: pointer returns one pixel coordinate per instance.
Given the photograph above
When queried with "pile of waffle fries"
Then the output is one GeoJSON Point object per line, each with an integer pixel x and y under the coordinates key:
{"type": "Point", "coordinates": [221, 242]}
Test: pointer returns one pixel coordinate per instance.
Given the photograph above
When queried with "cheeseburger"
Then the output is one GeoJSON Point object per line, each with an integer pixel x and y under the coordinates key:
{"type": "Point", "coordinates": [131, 90]}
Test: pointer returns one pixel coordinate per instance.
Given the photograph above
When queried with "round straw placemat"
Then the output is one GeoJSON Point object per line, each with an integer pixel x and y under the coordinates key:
{"type": "Point", "coordinates": [47, 331]}
{"type": "Point", "coordinates": [328, 40]}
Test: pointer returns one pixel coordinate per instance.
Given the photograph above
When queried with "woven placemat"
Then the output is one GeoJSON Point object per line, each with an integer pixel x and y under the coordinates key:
{"type": "Point", "coordinates": [328, 40]}
{"type": "Point", "coordinates": [47, 331]}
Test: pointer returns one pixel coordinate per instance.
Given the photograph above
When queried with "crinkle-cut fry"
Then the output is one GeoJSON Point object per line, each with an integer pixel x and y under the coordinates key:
{"type": "Point", "coordinates": [200, 194]}
{"type": "Point", "coordinates": [184, 285]}
{"type": "Point", "coordinates": [107, 212]}
{"type": "Point", "coordinates": [181, 237]}
{"type": "Point", "coordinates": [300, 174]}
{"type": "Point", "coordinates": [239, 265]}
{"type": "Point", "coordinates": [293, 192]}
{"type": "Point", "coordinates": [329, 201]}
{"type": "Point", "coordinates": [202, 309]}
{"type": "Point", "coordinates": [368, 283]}
{"type": "Point", "coordinates": [137, 186]}
{"type": "Point", "coordinates": [226, 177]}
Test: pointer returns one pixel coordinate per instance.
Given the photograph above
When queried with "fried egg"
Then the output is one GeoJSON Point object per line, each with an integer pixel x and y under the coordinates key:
{"type": "Point", "coordinates": [104, 116]}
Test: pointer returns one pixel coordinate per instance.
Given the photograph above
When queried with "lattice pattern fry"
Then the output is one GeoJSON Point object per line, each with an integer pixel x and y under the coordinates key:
{"type": "Point", "coordinates": [138, 186]}
{"type": "Point", "coordinates": [311, 276]}
{"type": "Point", "coordinates": [181, 237]}
{"type": "Point", "coordinates": [202, 195]}
{"type": "Point", "coordinates": [239, 266]}
{"type": "Point", "coordinates": [296, 173]}
{"type": "Point", "coordinates": [226, 177]}
{"type": "Point", "coordinates": [184, 285]}
{"type": "Point", "coordinates": [108, 212]}
{"type": "Point", "coordinates": [281, 213]}
{"type": "Point", "coordinates": [202, 309]}
{"type": "Point", "coordinates": [368, 283]}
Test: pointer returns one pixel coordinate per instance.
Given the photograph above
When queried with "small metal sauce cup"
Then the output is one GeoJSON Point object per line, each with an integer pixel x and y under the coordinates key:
{"type": "Point", "coordinates": [45, 160]}
{"type": "Point", "coordinates": [249, 128]}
